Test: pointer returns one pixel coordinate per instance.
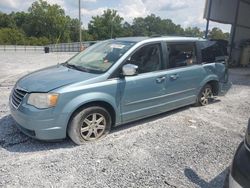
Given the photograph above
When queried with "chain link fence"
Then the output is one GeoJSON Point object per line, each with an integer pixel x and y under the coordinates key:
{"type": "Point", "coordinates": [68, 47]}
{"type": "Point", "coordinates": [21, 48]}
{"type": "Point", "coordinates": [62, 47]}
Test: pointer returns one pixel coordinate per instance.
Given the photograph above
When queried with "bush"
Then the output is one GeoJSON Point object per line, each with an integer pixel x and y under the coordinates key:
{"type": "Point", "coordinates": [41, 41]}
{"type": "Point", "coordinates": [11, 36]}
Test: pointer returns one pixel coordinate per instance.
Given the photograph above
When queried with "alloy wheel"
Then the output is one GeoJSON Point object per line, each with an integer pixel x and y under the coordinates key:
{"type": "Point", "coordinates": [93, 126]}
{"type": "Point", "coordinates": [206, 96]}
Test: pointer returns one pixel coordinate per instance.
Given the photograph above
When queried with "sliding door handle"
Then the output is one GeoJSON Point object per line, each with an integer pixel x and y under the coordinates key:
{"type": "Point", "coordinates": [160, 79]}
{"type": "Point", "coordinates": [174, 76]}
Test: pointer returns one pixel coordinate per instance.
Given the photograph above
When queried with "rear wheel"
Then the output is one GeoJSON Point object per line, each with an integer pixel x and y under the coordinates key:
{"type": "Point", "coordinates": [205, 96]}
{"type": "Point", "coordinates": [89, 124]}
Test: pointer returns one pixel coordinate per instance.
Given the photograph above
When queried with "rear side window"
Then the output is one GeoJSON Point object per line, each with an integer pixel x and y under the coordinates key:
{"type": "Point", "coordinates": [181, 54]}
{"type": "Point", "coordinates": [211, 52]}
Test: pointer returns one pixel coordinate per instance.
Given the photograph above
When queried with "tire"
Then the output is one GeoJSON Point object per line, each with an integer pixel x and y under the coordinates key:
{"type": "Point", "coordinates": [205, 96]}
{"type": "Point", "coordinates": [89, 124]}
{"type": "Point", "coordinates": [226, 181]}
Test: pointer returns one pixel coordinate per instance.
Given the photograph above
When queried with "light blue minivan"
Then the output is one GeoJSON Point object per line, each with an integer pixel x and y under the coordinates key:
{"type": "Point", "coordinates": [117, 81]}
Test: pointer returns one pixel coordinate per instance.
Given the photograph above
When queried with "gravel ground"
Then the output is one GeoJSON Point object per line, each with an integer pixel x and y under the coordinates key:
{"type": "Point", "coordinates": [188, 147]}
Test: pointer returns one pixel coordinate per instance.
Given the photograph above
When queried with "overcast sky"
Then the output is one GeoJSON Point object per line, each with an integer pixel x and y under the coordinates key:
{"type": "Point", "coordinates": [183, 12]}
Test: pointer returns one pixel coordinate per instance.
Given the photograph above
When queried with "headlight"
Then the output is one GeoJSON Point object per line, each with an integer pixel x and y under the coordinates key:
{"type": "Point", "coordinates": [43, 100]}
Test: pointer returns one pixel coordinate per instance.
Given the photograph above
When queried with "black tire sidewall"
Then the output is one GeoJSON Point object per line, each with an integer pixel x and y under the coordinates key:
{"type": "Point", "coordinates": [226, 181]}
{"type": "Point", "coordinates": [78, 118]}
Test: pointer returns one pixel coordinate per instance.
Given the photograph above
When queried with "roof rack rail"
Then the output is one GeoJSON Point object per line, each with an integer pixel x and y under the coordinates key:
{"type": "Point", "coordinates": [155, 35]}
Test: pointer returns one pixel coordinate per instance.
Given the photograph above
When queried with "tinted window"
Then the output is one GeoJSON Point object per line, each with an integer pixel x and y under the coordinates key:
{"type": "Point", "coordinates": [211, 52]}
{"type": "Point", "coordinates": [147, 58]}
{"type": "Point", "coordinates": [182, 54]}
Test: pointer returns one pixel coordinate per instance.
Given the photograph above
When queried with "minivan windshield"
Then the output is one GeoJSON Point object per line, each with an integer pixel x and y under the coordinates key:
{"type": "Point", "coordinates": [99, 57]}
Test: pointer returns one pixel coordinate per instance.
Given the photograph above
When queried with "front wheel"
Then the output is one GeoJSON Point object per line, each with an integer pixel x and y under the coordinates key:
{"type": "Point", "coordinates": [89, 124]}
{"type": "Point", "coordinates": [205, 96]}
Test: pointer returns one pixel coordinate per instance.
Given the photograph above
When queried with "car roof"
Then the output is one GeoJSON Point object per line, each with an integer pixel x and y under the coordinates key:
{"type": "Point", "coordinates": [165, 38]}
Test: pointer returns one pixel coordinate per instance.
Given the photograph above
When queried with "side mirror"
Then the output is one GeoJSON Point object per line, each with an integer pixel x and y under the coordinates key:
{"type": "Point", "coordinates": [129, 70]}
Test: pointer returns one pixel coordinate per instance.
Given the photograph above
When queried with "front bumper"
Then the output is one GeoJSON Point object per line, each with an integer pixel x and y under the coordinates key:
{"type": "Point", "coordinates": [39, 124]}
{"type": "Point", "coordinates": [240, 169]}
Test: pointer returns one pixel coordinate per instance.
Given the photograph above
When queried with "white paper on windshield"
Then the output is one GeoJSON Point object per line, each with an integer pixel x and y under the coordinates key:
{"type": "Point", "coordinates": [119, 46]}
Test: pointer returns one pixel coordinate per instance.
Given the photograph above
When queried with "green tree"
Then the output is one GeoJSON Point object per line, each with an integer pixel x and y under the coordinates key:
{"type": "Point", "coordinates": [6, 21]}
{"type": "Point", "coordinates": [86, 36]}
{"type": "Point", "coordinates": [45, 23]}
{"type": "Point", "coordinates": [37, 41]}
{"type": "Point", "coordinates": [170, 28]}
{"type": "Point", "coordinates": [42, 24]}
{"type": "Point", "coordinates": [217, 33]}
{"type": "Point", "coordinates": [194, 32]}
{"type": "Point", "coordinates": [127, 30]}
{"type": "Point", "coordinates": [48, 21]}
{"type": "Point", "coordinates": [20, 19]}
{"type": "Point", "coordinates": [139, 27]}
{"type": "Point", "coordinates": [154, 25]}
{"type": "Point", "coordinates": [11, 36]}
{"type": "Point", "coordinates": [108, 25]}
{"type": "Point", "coordinates": [74, 30]}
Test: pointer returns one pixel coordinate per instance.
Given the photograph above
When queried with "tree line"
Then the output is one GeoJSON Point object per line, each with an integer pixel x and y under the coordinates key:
{"type": "Point", "coordinates": [46, 24]}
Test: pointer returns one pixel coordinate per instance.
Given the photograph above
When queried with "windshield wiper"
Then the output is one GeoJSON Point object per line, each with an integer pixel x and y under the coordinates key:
{"type": "Point", "coordinates": [75, 67]}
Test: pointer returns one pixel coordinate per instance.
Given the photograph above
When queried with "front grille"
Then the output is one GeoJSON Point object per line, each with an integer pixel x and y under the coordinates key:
{"type": "Point", "coordinates": [17, 97]}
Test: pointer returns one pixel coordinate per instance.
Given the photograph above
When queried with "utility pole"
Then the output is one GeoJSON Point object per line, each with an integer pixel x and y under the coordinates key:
{"type": "Point", "coordinates": [111, 29]}
{"type": "Point", "coordinates": [233, 31]}
{"type": "Point", "coordinates": [80, 26]}
{"type": "Point", "coordinates": [208, 17]}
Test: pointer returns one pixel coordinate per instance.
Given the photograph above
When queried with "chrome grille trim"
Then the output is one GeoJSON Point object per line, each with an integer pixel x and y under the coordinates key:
{"type": "Point", "coordinates": [17, 97]}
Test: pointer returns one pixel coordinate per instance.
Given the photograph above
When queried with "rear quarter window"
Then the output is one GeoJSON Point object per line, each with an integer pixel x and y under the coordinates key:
{"type": "Point", "coordinates": [212, 51]}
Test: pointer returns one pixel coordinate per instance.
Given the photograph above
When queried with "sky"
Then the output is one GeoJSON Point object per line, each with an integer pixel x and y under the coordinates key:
{"type": "Point", "coordinates": [184, 12]}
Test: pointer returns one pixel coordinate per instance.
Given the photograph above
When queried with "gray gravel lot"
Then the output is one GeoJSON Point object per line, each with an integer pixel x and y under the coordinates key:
{"type": "Point", "coordinates": [188, 147]}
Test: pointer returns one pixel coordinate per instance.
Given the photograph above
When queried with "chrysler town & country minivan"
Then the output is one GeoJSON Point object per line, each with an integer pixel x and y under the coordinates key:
{"type": "Point", "coordinates": [117, 81]}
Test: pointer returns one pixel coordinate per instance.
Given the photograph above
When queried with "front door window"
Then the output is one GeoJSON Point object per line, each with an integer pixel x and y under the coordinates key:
{"type": "Point", "coordinates": [147, 58]}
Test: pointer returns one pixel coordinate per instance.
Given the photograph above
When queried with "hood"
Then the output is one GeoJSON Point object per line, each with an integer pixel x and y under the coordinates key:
{"type": "Point", "coordinates": [50, 78]}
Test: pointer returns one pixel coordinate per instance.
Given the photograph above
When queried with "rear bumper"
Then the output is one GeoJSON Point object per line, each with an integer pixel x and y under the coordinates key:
{"type": "Point", "coordinates": [224, 88]}
{"type": "Point", "coordinates": [240, 169]}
